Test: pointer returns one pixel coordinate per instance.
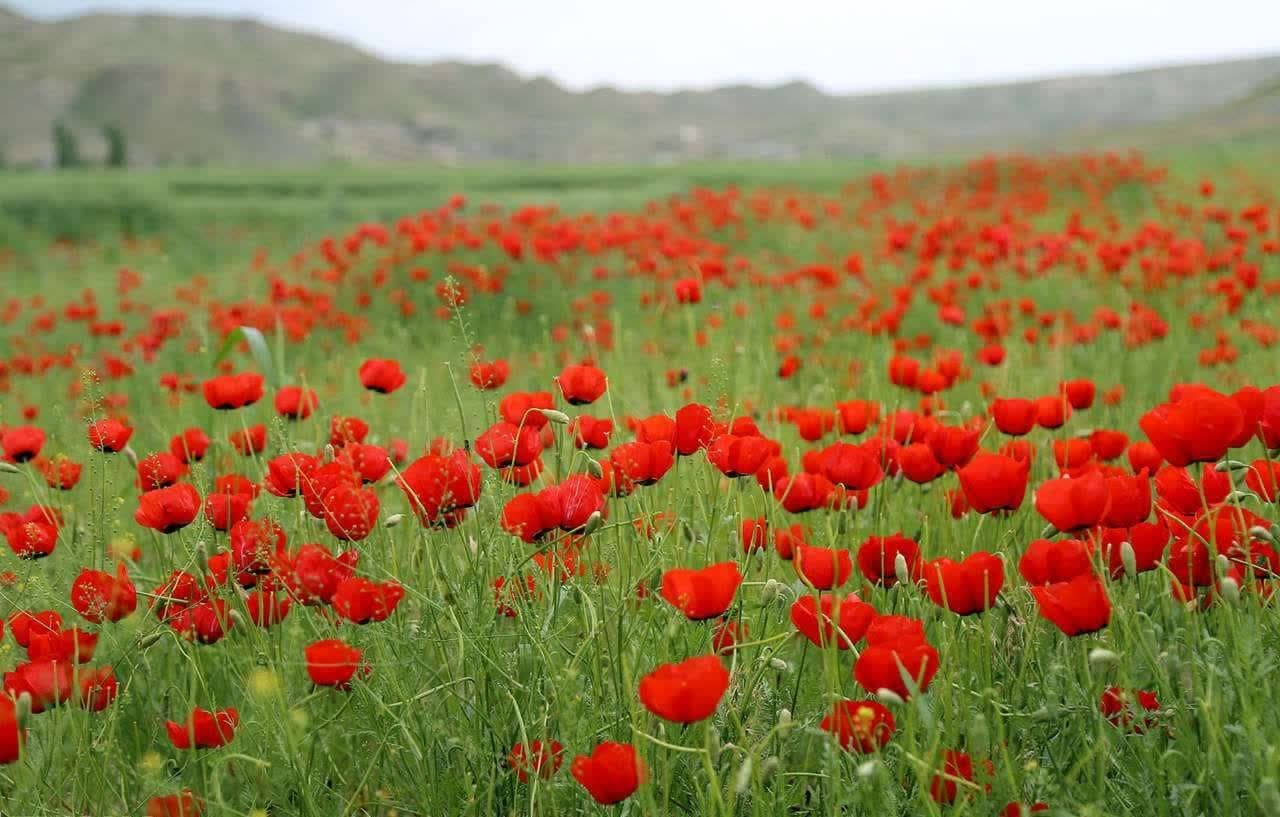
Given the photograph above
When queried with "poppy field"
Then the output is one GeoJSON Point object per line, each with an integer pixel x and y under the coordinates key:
{"type": "Point", "coordinates": [937, 491]}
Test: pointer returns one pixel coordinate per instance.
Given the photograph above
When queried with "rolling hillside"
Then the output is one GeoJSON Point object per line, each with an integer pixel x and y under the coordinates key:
{"type": "Point", "coordinates": [202, 90]}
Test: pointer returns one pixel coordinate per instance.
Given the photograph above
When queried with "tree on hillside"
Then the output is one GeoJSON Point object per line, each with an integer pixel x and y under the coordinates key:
{"type": "Point", "coordinates": [117, 152]}
{"type": "Point", "coordinates": [66, 148]}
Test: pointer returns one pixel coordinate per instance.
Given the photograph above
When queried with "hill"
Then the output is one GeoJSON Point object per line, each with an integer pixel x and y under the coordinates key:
{"type": "Point", "coordinates": [192, 90]}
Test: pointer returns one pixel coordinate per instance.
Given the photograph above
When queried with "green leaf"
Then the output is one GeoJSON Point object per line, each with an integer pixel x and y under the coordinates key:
{"type": "Point", "coordinates": [257, 348]}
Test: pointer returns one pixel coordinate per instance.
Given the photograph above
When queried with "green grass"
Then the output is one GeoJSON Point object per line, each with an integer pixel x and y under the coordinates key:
{"type": "Point", "coordinates": [453, 685]}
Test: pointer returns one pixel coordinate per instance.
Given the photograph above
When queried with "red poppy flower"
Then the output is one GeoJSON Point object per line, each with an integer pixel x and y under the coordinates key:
{"type": "Point", "coordinates": [350, 513]}
{"type": "Point", "coordinates": [25, 625]}
{"type": "Point", "coordinates": [860, 726]}
{"type": "Point", "coordinates": [1198, 428]}
{"type": "Point", "coordinates": [184, 804]}
{"type": "Point", "coordinates": [490, 375]}
{"type": "Point", "coordinates": [736, 456]}
{"type": "Point", "coordinates": [255, 543]}
{"type": "Point", "coordinates": [1108, 445]}
{"type": "Point", "coordinates": [591, 432]}
{"type": "Point", "coordinates": [1052, 411]}
{"type": "Point", "coordinates": [49, 683]}
{"type": "Point", "coordinates": [695, 428]}
{"type": "Point", "coordinates": [956, 766]}
{"type": "Point", "coordinates": [109, 436]}
{"type": "Point", "coordinates": [878, 555]}
{"type": "Point", "coordinates": [882, 666]}
{"type": "Point", "coordinates": [1074, 504]}
{"type": "Point", "coordinates": [295, 402]}
{"type": "Point", "coordinates": [1079, 393]}
{"type": "Point", "coordinates": [224, 510]}
{"type": "Point", "coordinates": [344, 430]}
{"type": "Point", "coordinates": [204, 729]}
{"type": "Point", "coordinates": [60, 473]}
{"type": "Point", "coordinates": [952, 446]}
{"type": "Point", "coordinates": [68, 646]}
{"type": "Point", "coordinates": [440, 487]}
{"type": "Point", "coordinates": [803, 492]}
{"type": "Point", "coordinates": [854, 416]}
{"type": "Point", "coordinates": [789, 539]}
{"type": "Point", "coordinates": [918, 464]}
{"type": "Point", "coordinates": [1142, 455]}
{"type": "Point", "coordinates": [851, 466]}
{"type": "Point", "coordinates": [381, 375]}
{"type": "Point", "coordinates": [21, 443]}
{"type": "Point", "coordinates": [1122, 707]}
{"type": "Point", "coordinates": [334, 663]}
{"type": "Point", "coordinates": [822, 568]}
{"type": "Point", "coordinates": [266, 608]}
{"type": "Point", "coordinates": [251, 440]}
{"type": "Point", "coordinates": [848, 615]}
{"type": "Point", "coordinates": [1077, 606]}
{"type": "Point", "coordinates": [362, 601]}
{"type": "Point", "coordinates": [503, 445]}
{"type": "Point", "coordinates": [1129, 500]}
{"type": "Point", "coordinates": [1263, 478]}
{"type": "Point", "coordinates": [525, 408]}
{"type": "Point", "coordinates": [1047, 561]}
{"type": "Point", "coordinates": [686, 692]}
{"type": "Point", "coordinates": [966, 587]}
{"type": "Point", "coordinates": [536, 759]}
{"type": "Point", "coordinates": [98, 688]}
{"type": "Point", "coordinates": [205, 621]}
{"type": "Point", "coordinates": [994, 482]}
{"type": "Point", "coordinates": [12, 735]}
{"type": "Point", "coordinates": [582, 385]}
{"type": "Point", "coordinates": [642, 463]}
{"type": "Point", "coordinates": [189, 446]}
{"type": "Point", "coordinates": [99, 596]}
{"type": "Point", "coordinates": [233, 391]}
{"type": "Point", "coordinates": [611, 773]}
{"type": "Point", "coordinates": [702, 594]}
{"type": "Point", "coordinates": [168, 509]}
{"type": "Point", "coordinates": [1147, 541]}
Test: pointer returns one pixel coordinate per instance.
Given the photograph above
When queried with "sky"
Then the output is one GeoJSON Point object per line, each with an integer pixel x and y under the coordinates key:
{"type": "Point", "coordinates": [843, 46]}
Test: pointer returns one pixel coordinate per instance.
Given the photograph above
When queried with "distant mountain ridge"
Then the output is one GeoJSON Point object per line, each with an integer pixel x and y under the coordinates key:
{"type": "Point", "coordinates": [213, 90]}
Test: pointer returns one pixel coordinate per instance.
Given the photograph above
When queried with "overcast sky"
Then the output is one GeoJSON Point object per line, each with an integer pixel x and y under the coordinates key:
{"type": "Point", "coordinates": [840, 45]}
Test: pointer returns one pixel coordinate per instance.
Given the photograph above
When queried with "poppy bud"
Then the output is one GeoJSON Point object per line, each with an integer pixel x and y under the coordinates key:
{"type": "Point", "coordinates": [889, 697]}
{"type": "Point", "coordinates": [557, 417]}
{"type": "Point", "coordinates": [767, 768]}
{"type": "Point", "coordinates": [594, 523]}
{"type": "Point", "coordinates": [866, 770]}
{"type": "Point", "coordinates": [1259, 532]}
{"type": "Point", "coordinates": [900, 569]}
{"type": "Point", "coordinates": [1100, 659]}
{"type": "Point", "coordinates": [9, 468]}
{"type": "Point", "coordinates": [1129, 559]}
{"type": "Point", "coordinates": [595, 469]}
{"type": "Point", "coordinates": [779, 665]}
{"type": "Point", "coordinates": [771, 591]}
{"type": "Point", "coordinates": [1230, 465]}
{"type": "Point", "coordinates": [1229, 589]}
{"type": "Point", "coordinates": [1269, 795]}
{"type": "Point", "coordinates": [742, 781]}
{"type": "Point", "coordinates": [978, 736]}
{"type": "Point", "coordinates": [784, 717]}
{"type": "Point", "coordinates": [1224, 563]}
{"type": "Point", "coordinates": [393, 520]}
{"type": "Point", "coordinates": [150, 639]}
{"type": "Point", "coordinates": [22, 709]}
{"type": "Point", "coordinates": [130, 455]}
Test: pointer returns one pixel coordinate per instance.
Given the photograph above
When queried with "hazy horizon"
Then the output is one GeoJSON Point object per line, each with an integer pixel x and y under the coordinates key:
{"type": "Point", "coordinates": [834, 46]}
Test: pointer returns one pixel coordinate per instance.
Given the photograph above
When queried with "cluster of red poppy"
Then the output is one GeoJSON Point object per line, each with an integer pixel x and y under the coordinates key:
{"type": "Point", "coordinates": [1067, 498]}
